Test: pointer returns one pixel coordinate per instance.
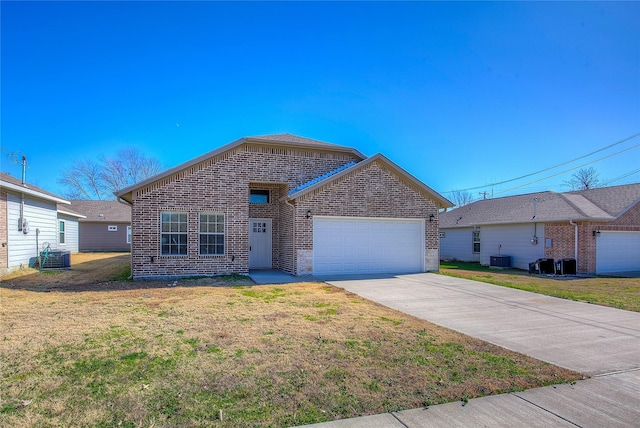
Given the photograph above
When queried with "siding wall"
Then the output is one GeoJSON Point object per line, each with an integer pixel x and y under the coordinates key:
{"type": "Point", "coordinates": [457, 244]}
{"type": "Point", "coordinates": [97, 237]}
{"type": "Point", "coordinates": [512, 240]}
{"type": "Point", "coordinates": [71, 234]}
{"type": "Point", "coordinates": [4, 227]}
{"type": "Point", "coordinates": [40, 214]}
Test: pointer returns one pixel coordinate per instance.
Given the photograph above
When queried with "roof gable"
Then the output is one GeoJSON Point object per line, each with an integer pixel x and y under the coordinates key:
{"type": "Point", "coordinates": [276, 140]}
{"type": "Point", "coordinates": [341, 172]}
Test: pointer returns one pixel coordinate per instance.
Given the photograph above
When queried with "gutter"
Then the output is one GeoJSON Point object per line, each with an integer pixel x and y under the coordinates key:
{"type": "Point", "coordinates": [575, 248]}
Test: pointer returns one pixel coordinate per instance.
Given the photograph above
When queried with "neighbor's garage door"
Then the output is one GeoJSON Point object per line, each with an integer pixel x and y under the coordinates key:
{"type": "Point", "coordinates": [617, 252]}
{"type": "Point", "coordinates": [346, 245]}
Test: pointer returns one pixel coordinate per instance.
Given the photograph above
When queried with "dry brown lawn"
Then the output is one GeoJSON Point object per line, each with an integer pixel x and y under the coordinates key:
{"type": "Point", "coordinates": [82, 349]}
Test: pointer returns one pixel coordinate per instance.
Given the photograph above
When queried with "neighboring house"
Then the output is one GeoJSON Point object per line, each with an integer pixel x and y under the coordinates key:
{"type": "Point", "coordinates": [600, 228]}
{"type": "Point", "coordinates": [107, 226]}
{"type": "Point", "coordinates": [32, 218]}
{"type": "Point", "coordinates": [283, 202]}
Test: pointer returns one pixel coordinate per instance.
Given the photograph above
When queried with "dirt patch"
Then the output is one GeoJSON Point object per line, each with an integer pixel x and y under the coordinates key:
{"type": "Point", "coordinates": [102, 272]}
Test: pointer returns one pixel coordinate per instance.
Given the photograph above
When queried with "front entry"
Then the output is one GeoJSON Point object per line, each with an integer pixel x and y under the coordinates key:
{"type": "Point", "coordinates": [260, 248]}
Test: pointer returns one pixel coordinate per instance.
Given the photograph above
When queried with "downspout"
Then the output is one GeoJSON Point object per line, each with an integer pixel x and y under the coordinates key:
{"type": "Point", "coordinates": [575, 248]}
{"type": "Point", "coordinates": [119, 199]}
{"type": "Point", "coordinates": [293, 233]}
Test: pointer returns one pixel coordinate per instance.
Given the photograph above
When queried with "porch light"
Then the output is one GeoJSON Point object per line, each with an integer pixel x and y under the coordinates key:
{"type": "Point", "coordinates": [596, 233]}
{"type": "Point", "coordinates": [431, 217]}
{"type": "Point", "coordinates": [309, 213]}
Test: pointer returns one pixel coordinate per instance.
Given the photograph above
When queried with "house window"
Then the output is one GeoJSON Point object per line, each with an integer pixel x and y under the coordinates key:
{"type": "Point", "coordinates": [476, 241]}
{"type": "Point", "coordinates": [128, 234]}
{"type": "Point", "coordinates": [258, 196]}
{"type": "Point", "coordinates": [62, 232]}
{"type": "Point", "coordinates": [211, 234]}
{"type": "Point", "coordinates": [173, 235]}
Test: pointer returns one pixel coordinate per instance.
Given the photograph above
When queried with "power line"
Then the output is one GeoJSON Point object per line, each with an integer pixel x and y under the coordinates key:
{"type": "Point", "coordinates": [571, 169]}
{"type": "Point", "coordinates": [623, 176]}
{"type": "Point", "coordinates": [552, 167]}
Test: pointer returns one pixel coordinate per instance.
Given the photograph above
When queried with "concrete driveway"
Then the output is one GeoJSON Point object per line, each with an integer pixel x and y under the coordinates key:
{"type": "Point", "coordinates": [595, 340]}
{"type": "Point", "coordinates": [587, 338]}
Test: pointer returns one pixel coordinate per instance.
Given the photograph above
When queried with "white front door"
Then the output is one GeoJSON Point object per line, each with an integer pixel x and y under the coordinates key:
{"type": "Point", "coordinates": [260, 243]}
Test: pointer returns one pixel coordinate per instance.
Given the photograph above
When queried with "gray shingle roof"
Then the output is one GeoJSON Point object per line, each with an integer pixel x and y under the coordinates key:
{"type": "Point", "coordinates": [7, 178]}
{"type": "Point", "coordinates": [102, 211]}
{"type": "Point", "coordinates": [603, 204]}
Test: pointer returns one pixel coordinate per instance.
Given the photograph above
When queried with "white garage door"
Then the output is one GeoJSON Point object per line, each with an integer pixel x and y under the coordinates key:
{"type": "Point", "coordinates": [617, 252]}
{"type": "Point", "coordinates": [347, 245]}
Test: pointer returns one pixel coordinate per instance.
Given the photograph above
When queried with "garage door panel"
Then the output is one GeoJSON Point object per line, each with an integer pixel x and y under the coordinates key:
{"type": "Point", "coordinates": [617, 252]}
{"type": "Point", "coordinates": [355, 245]}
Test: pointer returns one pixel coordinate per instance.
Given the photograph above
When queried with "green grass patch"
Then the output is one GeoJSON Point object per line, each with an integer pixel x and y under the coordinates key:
{"type": "Point", "coordinates": [622, 293]}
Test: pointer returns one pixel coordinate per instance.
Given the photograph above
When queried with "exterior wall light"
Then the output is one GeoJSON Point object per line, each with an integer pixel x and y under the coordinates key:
{"type": "Point", "coordinates": [309, 213]}
{"type": "Point", "coordinates": [431, 217]}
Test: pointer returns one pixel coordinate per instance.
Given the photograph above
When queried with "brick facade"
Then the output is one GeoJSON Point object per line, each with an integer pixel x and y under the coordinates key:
{"type": "Point", "coordinates": [563, 237]}
{"type": "Point", "coordinates": [221, 184]}
{"type": "Point", "coordinates": [4, 230]}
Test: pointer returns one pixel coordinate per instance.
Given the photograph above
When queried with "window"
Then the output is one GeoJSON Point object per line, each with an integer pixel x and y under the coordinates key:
{"type": "Point", "coordinates": [476, 241]}
{"type": "Point", "coordinates": [173, 235]}
{"type": "Point", "coordinates": [257, 196]}
{"type": "Point", "coordinates": [128, 234]}
{"type": "Point", "coordinates": [61, 232]}
{"type": "Point", "coordinates": [112, 228]}
{"type": "Point", "coordinates": [211, 234]}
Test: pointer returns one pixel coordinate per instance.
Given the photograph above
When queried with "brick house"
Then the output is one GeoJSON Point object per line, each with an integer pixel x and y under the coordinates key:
{"type": "Point", "coordinates": [600, 228]}
{"type": "Point", "coordinates": [283, 202]}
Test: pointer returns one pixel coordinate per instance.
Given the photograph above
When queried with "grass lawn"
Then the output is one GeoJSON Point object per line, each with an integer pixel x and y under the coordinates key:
{"type": "Point", "coordinates": [622, 293]}
{"type": "Point", "coordinates": [122, 354]}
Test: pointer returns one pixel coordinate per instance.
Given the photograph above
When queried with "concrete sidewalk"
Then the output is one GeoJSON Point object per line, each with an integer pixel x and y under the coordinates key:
{"type": "Point", "coordinates": [595, 340]}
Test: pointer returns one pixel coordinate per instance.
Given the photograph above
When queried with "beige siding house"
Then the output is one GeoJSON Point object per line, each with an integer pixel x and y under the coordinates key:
{"type": "Point", "coordinates": [106, 226]}
{"type": "Point", "coordinates": [283, 202]}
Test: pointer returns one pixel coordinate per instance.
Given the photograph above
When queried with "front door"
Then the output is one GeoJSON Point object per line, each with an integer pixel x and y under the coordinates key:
{"type": "Point", "coordinates": [260, 243]}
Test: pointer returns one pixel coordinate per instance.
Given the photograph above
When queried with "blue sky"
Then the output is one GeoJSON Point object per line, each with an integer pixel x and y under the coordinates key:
{"type": "Point", "coordinates": [459, 94]}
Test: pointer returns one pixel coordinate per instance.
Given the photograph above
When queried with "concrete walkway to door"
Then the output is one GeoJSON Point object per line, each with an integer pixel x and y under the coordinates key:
{"type": "Point", "coordinates": [594, 340]}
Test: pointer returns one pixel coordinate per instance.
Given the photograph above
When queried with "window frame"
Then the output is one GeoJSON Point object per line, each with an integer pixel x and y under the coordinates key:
{"type": "Point", "coordinates": [209, 234]}
{"type": "Point", "coordinates": [62, 232]}
{"type": "Point", "coordinates": [261, 193]}
{"type": "Point", "coordinates": [128, 234]}
{"type": "Point", "coordinates": [182, 235]}
{"type": "Point", "coordinates": [475, 241]}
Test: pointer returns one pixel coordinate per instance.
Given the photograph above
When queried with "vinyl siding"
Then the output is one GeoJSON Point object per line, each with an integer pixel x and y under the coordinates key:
{"type": "Point", "coordinates": [457, 244]}
{"type": "Point", "coordinates": [512, 240]}
{"type": "Point", "coordinates": [97, 237]}
{"type": "Point", "coordinates": [71, 234]}
{"type": "Point", "coordinates": [41, 215]}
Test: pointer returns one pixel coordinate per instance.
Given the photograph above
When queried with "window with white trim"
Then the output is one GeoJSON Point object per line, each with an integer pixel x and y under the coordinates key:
{"type": "Point", "coordinates": [173, 234]}
{"type": "Point", "coordinates": [62, 234]}
{"type": "Point", "coordinates": [476, 241]}
{"type": "Point", "coordinates": [128, 234]}
{"type": "Point", "coordinates": [211, 234]}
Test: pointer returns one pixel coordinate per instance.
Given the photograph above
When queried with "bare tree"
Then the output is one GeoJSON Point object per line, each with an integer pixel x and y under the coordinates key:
{"type": "Point", "coordinates": [461, 198]}
{"type": "Point", "coordinates": [584, 179]}
{"type": "Point", "coordinates": [91, 179]}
